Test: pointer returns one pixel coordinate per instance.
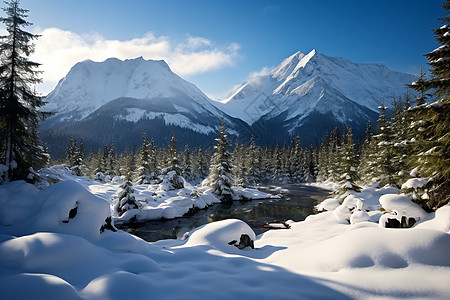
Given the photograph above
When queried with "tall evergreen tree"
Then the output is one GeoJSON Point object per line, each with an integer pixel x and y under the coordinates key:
{"type": "Point", "coordinates": [384, 163]}
{"type": "Point", "coordinates": [430, 124]}
{"type": "Point", "coordinates": [20, 147]}
{"type": "Point", "coordinates": [349, 177]}
{"type": "Point", "coordinates": [144, 157]}
{"type": "Point", "coordinates": [220, 178]}
{"type": "Point", "coordinates": [172, 173]}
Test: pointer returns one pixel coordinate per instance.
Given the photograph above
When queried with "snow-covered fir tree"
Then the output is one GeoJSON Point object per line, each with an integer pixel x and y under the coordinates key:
{"type": "Point", "coordinates": [349, 162]}
{"type": "Point", "coordinates": [172, 179]}
{"type": "Point", "coordinates": [143, 172]}
{"type": "Point", "coordinates": [220, 178]}
{"type": "Point", "coordinates": [430, 123]}
{"type": "Point", "coordinates": [187, 164]}
{"type": "Point", "coordinates": [239, 167]}
{"type": "Point", "coordinates": [384, 160]}
{"type": "Point", "coordinates": [125, 199]}
{"type": "Point", "coordinates": [20, 147]}
{"type": "Point", "coordinates": [252, 164]}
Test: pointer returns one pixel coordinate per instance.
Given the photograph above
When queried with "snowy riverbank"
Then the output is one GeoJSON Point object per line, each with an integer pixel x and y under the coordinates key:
{"type": "Point", "coordinates": [48, 250]}
{"type": "Point", "coordinates": [155, 202]}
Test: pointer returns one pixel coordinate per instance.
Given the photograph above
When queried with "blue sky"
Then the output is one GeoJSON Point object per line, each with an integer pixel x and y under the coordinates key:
{"type": "Point", "coordinates": [218, 44]}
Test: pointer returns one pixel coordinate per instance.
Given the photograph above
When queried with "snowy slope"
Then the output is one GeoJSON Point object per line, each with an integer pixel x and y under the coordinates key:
{"type": "Point", "coordinates": [300, 83]}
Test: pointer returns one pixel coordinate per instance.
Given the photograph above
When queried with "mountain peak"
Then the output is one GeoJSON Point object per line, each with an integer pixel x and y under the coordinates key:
{"type": "Point", "coordinates": [89, 85]}
{"type": "Point", "coordinates": [296, 84]}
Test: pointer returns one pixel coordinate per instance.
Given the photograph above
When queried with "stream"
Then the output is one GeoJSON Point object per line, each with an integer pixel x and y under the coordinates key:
{"type": "Point", "coordinates": [297, 203]}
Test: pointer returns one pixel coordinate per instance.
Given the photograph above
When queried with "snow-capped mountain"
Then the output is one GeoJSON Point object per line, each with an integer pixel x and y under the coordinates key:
{"type": "Point", "coordinates": [307, 90]}
{"type": "Point", "coordinates": [89, 85]}
{"type": "Point", "coordinates": [117, 100]}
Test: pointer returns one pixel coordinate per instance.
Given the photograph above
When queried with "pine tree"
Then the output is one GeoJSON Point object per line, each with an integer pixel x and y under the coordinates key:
{"type": "Point", "coordinates": [125, 199]}
{"type": "Point", "coordinates": [172, 179]}
{"type": "Point", "coordinates": [384, 160]}
{"type": "Point", "coordinates": [439, 59]}
{"type": "Point", "coordinates": [239, 167]}
{"type": "Point", "coordinates": [110, 159]}
{"type": "Point", "coordinates": [220, 179]}
{"type": "Point", "coordinates": [152, 161]}
{"type": "Point", "coordinates": [349, 177]}
{"type": "Point", "coordinates": [430, 124]}
{"type": "Point", "coordinates": [421, 87]}
{"type": "Point", "coordinates": [252, 164]}
{"type": "Point", "coordinates": [368, 164]}
{"type": "Point", "coordinates": [72, 153]}
{"type": "Point", "coordinates": [187, 164]}
{"type": "Point", "coordinates": [144, 156]}
{"type": "Point", "coordinates": [20, 146]}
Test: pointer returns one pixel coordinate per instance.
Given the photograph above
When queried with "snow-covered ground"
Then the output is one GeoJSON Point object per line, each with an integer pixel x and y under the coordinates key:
{"type": "Point", "coordinates": [50, 250]}
{"type": "Point", "coordinates": [156, 202]}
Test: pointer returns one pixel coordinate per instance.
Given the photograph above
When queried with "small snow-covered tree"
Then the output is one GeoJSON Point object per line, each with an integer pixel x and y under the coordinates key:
{"type": "Point", "coordinates": [125, 199]}
{"type": "Point", "coordinates": [220, 179]}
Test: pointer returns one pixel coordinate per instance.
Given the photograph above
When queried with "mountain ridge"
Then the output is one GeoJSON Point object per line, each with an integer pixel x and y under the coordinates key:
{"type": "Point", "coordinates": [306, 94]}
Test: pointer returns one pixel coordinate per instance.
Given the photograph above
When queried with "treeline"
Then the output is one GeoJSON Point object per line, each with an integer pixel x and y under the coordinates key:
{"type": "Point", "coordinates": [250, 164]}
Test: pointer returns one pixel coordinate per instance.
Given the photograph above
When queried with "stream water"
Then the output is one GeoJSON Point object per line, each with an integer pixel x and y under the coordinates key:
{"type": "Point", "coordinates": [297, 203]}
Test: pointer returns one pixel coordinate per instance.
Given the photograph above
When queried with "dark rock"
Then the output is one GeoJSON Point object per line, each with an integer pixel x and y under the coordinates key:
{"type": "Point", "coordinates": [108, 225]}
{"type": "Point", "coordinates": [244, 241]}
{"type": "Point", "coordinates": [73, 212]}
{"type": "Point", "coordinates": [404, 223]}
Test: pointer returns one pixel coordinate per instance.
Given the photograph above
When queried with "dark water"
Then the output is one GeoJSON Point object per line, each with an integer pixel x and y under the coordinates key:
{"type": "Point", "coordinates": [297, 203]}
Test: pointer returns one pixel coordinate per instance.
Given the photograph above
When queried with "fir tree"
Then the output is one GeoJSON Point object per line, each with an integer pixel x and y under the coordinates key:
{"type": "Point", "coordinates": [430, 124]}
{"type": "Point", "coordinates": [187, 164]}
{"type": "Point", "coordinates": [20, 147]}
{"type": "Point", "coordinates": [368, 156]}
{"type": "Point", "coordinates": [144, 156]}
{"type": "Point", "coordinates": [220, 179]}
{"type": "Point", "coordinates": [252, 164]}
{"type": "Point", "coordinates": [349, 177]}
{"type": "Point", "coordinates": [384, 163]}
{"type": "Point", "coordinates": [125, 199]}
{"type": "Point", "coordinates": [421, 87]}
{"type": "Point", "coordinates": [172, 173]}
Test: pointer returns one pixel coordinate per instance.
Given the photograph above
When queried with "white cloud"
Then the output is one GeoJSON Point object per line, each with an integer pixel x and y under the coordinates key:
{"type": "Point", "coordinates": [262, 72]}
{"type": "Point", "coordinates": [58, 50]}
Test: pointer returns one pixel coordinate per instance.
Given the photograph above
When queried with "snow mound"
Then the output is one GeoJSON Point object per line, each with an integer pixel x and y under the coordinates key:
{"type": "Point", "coordinates": [70, 208]}
{"type": "Point", "coordinates": [359, 216]}
{"type": "Point", "coordinates": [328, 204]}
{"type": "Point", "coordinates": [440, 220]}
{"type": "Point", "coordinates": [370, 247]}
{"type": "Point", "coordinates": [401, 205]}
{"type": "Point", "coordinates": [219, 234]}
{"type": "Point", "coordinates": [415, 183]}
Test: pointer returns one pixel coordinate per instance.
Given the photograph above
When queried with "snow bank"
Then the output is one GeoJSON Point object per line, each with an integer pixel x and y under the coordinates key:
{"type": "Point", "coordinates": [70, 208]}
{"type": "Point", "coordinates": [400, 206]}
{"type": "Point", "coordinates": [323, 257]}
{"type": "Point", "coordinates": [219, 234]}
